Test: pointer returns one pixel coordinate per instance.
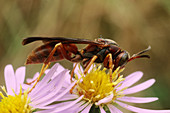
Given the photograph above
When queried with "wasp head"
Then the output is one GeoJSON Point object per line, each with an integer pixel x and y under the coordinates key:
{"type": "Point", "coordinates": [122, 59]}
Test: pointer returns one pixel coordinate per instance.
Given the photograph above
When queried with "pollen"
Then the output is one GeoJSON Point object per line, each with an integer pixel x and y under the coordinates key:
{"type": "Point", "coordinates": [19, 103]}
{"type": "Point", "coordinates": [96, 84]}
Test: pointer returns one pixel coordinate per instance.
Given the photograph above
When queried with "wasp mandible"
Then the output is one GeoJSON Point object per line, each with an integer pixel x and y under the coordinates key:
{"type": "Point", "coordinates": [101, 50]}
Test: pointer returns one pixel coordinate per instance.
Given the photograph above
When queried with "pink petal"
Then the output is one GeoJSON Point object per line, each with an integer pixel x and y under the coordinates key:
{"type": "Point", "coordinates": [10, 79]}
{"type": "Point", "coordinates": [50, 108]}
{"type": "Point", "coordinates": [20, 76]}
{"type": "Point", "coordinates": [46, 71]}
{"type": "Point", "coordinates": [68, 97]}
{"type": "Point", "coordinates": [53, 106]}
{"type": "Point", "coordinates": [59, 69]}
{"type": "Point", "coordinates": [91, 67]}
{"type": "Point", "coordinates": [26, 87]}
{"type": "Point", "coordinates": [141, 110]}
{"type": "Point", "coordinates": [83, 106]}
{"type": "Point", "coordinates": [87, 109]}
{"type": "Point", "coordinates": [64, 107]}
{"type": "Point", "coordinates": [69, 111]}
{"type": "Point", "coordinates": [48, 91]}
{"type": "Point", "coordinates": [105, 100]}
{"type": "Point", "coordinates": [102, 110]}
{"type": "Point", "coordinates": [76, 71]}
{"type": "Point", "coordinates": [139, 87]}
{"type": "Point", "coordinates": [58, 96]}
{"type": "Point", "coordinates": [138, 99]}
{"type": "Point", "coordinates": [131, 79]}
{"type": "Point", "coordinates": [113, 109]}
{"type": "Point", "coordinates": [75, 108]}
{"type": "Point", "coordinates": [67, 81]}
{"type": "Point", "coordinates": [44, 81]}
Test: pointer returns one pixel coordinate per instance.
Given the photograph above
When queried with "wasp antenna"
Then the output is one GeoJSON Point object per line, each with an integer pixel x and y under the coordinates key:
{"type": "Point", "coordinates": [141, 52]}
{"type": "Point", "coordinates": [138, 55]}
{"type": "Point", "coordinates": [141, 56]}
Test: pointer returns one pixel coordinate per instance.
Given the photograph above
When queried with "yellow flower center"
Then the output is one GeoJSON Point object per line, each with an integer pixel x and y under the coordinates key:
{"type": "Point", "coordinates": [96, 84]}
{"type": "Point", "coordinates": [15, 104]}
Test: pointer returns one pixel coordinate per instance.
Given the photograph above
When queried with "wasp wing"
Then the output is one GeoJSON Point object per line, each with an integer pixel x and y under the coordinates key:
{"type": "Point", "coordinates": [58, 39]}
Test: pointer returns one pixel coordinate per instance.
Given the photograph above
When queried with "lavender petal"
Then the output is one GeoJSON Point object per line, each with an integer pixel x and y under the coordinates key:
{"type": "Point", "coordinates": [113, 109]}
{"type": "Point", "coordinates": [131, 79]}
{"type": "Point", "coordinates": [48, 91]}
{"type": "Point", "coordinates": [102, 110]}
{"type": "Point", "coordinates": [20, 76]}
{"type": "Point", "coordinates": [87, 109]}
{"type": "Point", "coordinates": [67, 106]}
{"type": "Point", "coordinates": [141, 110]}
{"type": "Point", "coordinates": [137, 99]}
{"type": "Point", "coordinates": [139, 87]}
{"type": "Point", "coordinates": [105, 100]}
{"type": "Point", "coordinates": [58, 96]}
{"type": "Point", "coordinates": [10, 79]}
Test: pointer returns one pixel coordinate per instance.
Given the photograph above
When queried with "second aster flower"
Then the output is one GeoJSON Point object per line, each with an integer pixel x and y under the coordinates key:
{"type": "Point", "coordinates": [96, 91]}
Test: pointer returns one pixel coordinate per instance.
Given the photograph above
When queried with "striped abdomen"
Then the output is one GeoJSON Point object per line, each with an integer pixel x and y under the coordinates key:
{"type": "Point", "coordinates": [40, 54]}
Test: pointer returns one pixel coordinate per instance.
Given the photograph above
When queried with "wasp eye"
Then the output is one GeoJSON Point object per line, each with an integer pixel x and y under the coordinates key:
{"type": "Point", "coordinates": [123, 58]}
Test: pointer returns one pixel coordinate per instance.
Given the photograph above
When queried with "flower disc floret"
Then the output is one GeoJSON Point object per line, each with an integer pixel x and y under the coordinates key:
{"type": "Point", "coordinates": [15, 104]}
{"type": "Point", "coordinates": [96, 84]}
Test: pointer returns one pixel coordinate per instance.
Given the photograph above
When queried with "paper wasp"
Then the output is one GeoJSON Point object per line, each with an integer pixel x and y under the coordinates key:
{"type": "Point", "coordinates": [101, 50]}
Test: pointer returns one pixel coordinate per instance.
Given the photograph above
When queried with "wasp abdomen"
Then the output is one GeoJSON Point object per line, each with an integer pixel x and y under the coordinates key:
{"type": "Point", "coordinates": [40, 54]}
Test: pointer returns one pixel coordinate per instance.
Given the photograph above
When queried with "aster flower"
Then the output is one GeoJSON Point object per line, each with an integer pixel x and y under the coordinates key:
{"type": "Point", "coordinates": [17, 100]}
{"type": "Point", "coordinates": [95, 91]}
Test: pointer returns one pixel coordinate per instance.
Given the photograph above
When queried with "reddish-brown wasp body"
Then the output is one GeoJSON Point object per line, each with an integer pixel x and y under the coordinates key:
{"type": "Point", "coordinates": [101, 50]}
{"type": "Point", "coordinates": [68, 50]}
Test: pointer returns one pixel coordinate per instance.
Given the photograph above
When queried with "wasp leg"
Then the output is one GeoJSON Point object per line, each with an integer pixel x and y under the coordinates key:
{"type": "Point", "coordinates": [90, 63]}
{"type": "Point", "coordinates": [107, 59]}
{"type": "Point", "coordinates": [63, 51]}
{"type": "Point", "coordinates": [29, 83]}
{"type": "Point", "coordinates": [47, 63]}
{"type": "Point", "coordinates": [37, 79]}
{"type": "Point", "coordinates": [72, 72]}
{"type": "Point", "coordinates": [44, 67]}
{"type": "Point", "coordinates": [85, 71]}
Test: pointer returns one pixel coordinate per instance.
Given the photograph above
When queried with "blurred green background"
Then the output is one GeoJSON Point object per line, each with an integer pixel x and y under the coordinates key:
{"type": "Point", "coordinates": [133, 24]}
